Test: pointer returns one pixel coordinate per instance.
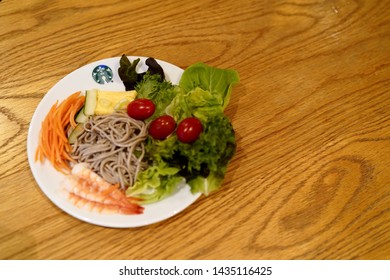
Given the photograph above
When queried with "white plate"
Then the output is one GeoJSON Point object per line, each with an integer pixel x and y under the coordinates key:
{"type": "Point", "coordinates": [49, 180]}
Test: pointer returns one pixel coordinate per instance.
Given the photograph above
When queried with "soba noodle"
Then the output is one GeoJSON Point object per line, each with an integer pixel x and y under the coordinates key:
{"type": "Point", "coordinates": [112, 145]}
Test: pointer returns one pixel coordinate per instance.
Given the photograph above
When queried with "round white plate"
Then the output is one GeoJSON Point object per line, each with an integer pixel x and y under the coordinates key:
{"type": "Point", "coordinates": [49, 180]}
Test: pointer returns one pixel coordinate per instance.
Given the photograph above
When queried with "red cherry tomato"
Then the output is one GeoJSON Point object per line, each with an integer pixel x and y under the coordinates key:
{"type": "Point", "coordinates": [162, 127]}
{"type": "Point", "coordinates": [189, 130]}
{"type": "Point", "coordinates": [141, 108]}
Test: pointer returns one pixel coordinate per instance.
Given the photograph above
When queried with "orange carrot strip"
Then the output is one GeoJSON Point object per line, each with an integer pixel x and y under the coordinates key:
{"type": "Point", "coordinates": [53, 143]}
{"type": "Point", "coordinates": [77, 106]}
{"type": "Point", "coordinates": [43, 134]}
{"type": "Point", "coordinates": [72, 116]}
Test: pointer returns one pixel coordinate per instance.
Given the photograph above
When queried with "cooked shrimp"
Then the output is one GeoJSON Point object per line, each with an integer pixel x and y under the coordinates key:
{"type": "Point", "coordinates": [89, 191]}
{"type": "Point", "coordinates": [101, 207]}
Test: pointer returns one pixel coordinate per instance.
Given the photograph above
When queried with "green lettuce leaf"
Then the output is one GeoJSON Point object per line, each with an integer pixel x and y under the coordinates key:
{"type": "Point", "coordinates": [206, 185]}
{"type": "Point", "coordinates": [218, 82]}
{"type": "Point", "coordinates": [198, 102]}
{"type": "Point", "coordinates": [155, 183]}
{"type": "Point", "coordinates": [204, 92]}
{"type": "Point", "coordinates": [160, 92]}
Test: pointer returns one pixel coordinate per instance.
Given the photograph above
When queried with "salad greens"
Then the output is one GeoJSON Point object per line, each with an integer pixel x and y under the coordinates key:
{"type": "Point", "coordinates": [130, 77]}
{"type": "Point", "coordinates": [127, 72]}
{"type": "Point", "coordinates": [160, 92]}
{"type": "Point", "coordinates": [217, 82]}
{"type": "Point", "coordinates": [203, 92]}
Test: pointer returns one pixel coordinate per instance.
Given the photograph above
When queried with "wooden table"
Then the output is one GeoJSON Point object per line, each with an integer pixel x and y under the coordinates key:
{"type": "Point", "coordinates": [311, 177]}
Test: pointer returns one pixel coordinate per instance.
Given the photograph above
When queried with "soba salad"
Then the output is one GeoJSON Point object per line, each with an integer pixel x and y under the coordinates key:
{"type": "Point", "coordinates": [120, 150]}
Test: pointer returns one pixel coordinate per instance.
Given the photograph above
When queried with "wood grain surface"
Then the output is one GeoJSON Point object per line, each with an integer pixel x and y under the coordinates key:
{"type": "Point", "coordinates": [311, 176]}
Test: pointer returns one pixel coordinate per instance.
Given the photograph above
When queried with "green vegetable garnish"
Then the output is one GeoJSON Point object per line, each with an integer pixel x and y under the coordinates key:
{"type": "Point", "coordinates": [130, 77]}
{"type": "Point", "coordinates": [127, 72]}
{"type": "Point", "coordinates": [217, 82]}
{"type": "Point", "coordinates": [160, 92]}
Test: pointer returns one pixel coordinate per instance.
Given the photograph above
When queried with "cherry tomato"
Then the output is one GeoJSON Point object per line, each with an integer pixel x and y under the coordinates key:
{"type": "Point", "coordinates": [189, 130]}
{"type": "Point", "coordinates": [141, 108]}
{"type": "Point", "coordinates": [162, 127]}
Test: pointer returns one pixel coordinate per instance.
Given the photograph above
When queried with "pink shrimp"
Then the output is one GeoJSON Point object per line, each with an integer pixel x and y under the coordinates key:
{"type": "Point", "coordinates": [102, 207]}
{"type": "Point", "coordinates": [88, 190]}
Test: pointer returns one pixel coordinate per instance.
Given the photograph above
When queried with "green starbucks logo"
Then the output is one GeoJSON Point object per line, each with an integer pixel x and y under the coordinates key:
{"type": "Point", "coordinates": [102, 74]}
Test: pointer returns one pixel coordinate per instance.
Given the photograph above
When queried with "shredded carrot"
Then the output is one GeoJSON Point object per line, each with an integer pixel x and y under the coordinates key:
{"type": "Point", "coordinates": [74, 109]}
{"type": "Point", "coordinates": [72, 115]}
{"type": "Point", "coordinates": [53, 143]}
